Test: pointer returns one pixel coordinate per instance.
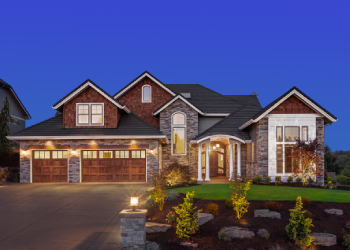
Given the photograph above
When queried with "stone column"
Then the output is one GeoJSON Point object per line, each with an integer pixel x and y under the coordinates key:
{"type": "Point", "coordinates": [207, 168]}
{"type": "Point", "coordinates": [200, 162]}
{"type": "Point", "coordinates": [231, 159]}
{"type": "Point", "coordinates": [133, 229]}
{"type": "Point", "coordinates": [238, 159]}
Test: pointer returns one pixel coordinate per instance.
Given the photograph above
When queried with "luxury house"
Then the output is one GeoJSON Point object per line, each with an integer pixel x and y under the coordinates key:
{"type": "Point", "coordinates": [96, 137]}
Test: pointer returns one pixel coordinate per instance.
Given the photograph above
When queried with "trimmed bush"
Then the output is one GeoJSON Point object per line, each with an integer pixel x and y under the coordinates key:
{"type": "Point", "coordinates": [257, 179]}
{"type": "Point", "coordinates": [171, 216]}
{"type": "Point", "coordinates": [299, 180]}
{"type": "Point", "coordinates": [213, 209]}
{"type": "Point", "coordinates": [267, 180]}
{"type": "Point", "coordinates": [272, 206]}
{"type": "Point", "coordinates": [306, 201]}
{"type": "Point", "coordinates": [177, 173]}
{"type": "Point", "coordinates": [172, 195]}
{"type": "Point", "coordinates": [290, 179]}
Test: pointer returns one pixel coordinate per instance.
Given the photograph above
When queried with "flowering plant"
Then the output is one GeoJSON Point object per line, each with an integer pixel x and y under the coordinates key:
{"type": "Point", "coordinates": [213, 209]}
{"type": "Point", "coordinates": [263, 233]}
{"type": "Point", "coordinates": [306, 201]}
{"type": "Point", "coordinates": [272, 206]}
{"type": "Point", "coordinates": [346, 243]}
{"type": "Point", "coordinates": [347, 226]}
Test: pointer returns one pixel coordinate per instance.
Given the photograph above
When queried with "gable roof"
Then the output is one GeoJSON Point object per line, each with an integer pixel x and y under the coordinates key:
{"type": "Point", "coordinates": [205, 99]}
{"type": "Point", "coordinates": [5, 85]}
{"type": "Point", "coordinates": [230, 124]}
{"type": "Point", "coordinates": [130, 126]}
{"type": "Point", "coordinates": [298, 93]}
{"type": "Point", "coordinates": [81, 88]}
{"type": "Point", "coordinates": [245, 99]}
{"type": "Point", "coordinates": [137, 80]}
{"type": "Point", "coordinates": [173, 100]}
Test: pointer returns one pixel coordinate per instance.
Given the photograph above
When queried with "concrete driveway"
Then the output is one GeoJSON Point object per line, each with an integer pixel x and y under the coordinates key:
{"type": "Point", "coordinates": [63, 216]}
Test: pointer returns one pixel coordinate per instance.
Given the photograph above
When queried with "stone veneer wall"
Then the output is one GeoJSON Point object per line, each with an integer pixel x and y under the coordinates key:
{"type": "Point", "coordinates": [320, 138]}
{"type": "Point", "coordinates": [259, 136]}
{"type": "Point", "coordinates": [74, 160]}
{"type": "Point", "coordinates": [191, 132]}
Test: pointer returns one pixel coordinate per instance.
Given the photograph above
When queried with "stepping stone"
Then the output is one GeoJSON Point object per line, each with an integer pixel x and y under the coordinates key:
{"type": "Point", "coordinates": [323, 239]}
{"type": "Point", "coordinates": [236, 233]}
{"type": "Point", "coordinates": [152, 227]}
{"type": "Point", "coordinates": [189, 244]}
{"type": "Point", "coordinates": [204, 218]}
{"type": "Point", "coordinates": [267, 213]}
{"type": "Point", "coordinates": [334, 211]}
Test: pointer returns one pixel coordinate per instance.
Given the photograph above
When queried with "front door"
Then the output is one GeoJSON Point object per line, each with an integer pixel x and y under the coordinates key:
{"type": "Point", "coordinates": [217, 160]}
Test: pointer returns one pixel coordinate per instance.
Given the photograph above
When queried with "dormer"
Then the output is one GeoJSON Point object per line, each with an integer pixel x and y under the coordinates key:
{"type": "Point", "coordinates": [88, 106]}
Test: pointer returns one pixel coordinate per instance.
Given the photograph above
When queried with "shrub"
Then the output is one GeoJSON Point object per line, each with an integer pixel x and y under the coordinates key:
{"type": "Point", "coordinates": [177, 173]}
{"type": "Point", "coordinates": [344, 177]}
{"type": "Point", "coordinates": [149, 203]}
{"type": "Point", "coordinates": [267, 180]}
{"type": "Point", "coordinates": [307, 214]}
{"type": "Point", "coordinates": [158, 194]}
{"type": "Point", "coordinates": [310, 180]}
{"type": "Point", "coordinates": [306, 201]}
{"type": "Point", "coordinates": [263, 233]}
{"type": "Point", "coordinates": [257, 179]}
{"type": "Point", "coordinates": [329, 183]}
{"type": "Point", "coordinates": [222, 235]}
{"type": "Point", "coordinates": [187, 221]}
{"type": "Point", "coordinates": [298, 180]}
{"type": "Point", "coordinates": [298, 228]}
{"type": "Point", "coordinates": [172, 195]}
{"type": "Point", "coordinates": [171, 216]}
{"type": "Point", "coordinates": [346, 243]}
{"type": "Point", "coordinates": [347, 226]}
{"type": "Point", "coordinates": [229, 203]}
{"type": "Point", "coordinates": [193, 182]}
{"type": "Point", "coordinates": [239, 199]}
{"type": "Point", "coordinates": [272, 206]}
{"type": "Point", "coordinates": [213, 209]}
{"type": "Point", "coordinates": [278, 180]}
{"type": "Point", "coordinates": [290, 179]}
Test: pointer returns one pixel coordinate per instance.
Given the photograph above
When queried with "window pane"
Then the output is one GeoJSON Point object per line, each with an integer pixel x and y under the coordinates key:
{"type": "Point", "coordinates": [116, 154]}
{"type": "Point", "coordinates": [179, 119]}
{"type": "Point", "coordinates": [96, 109]}
{"type": "Point", "coordinates": [203, 163]}
{"type": "Point", "coordinates": [289, 161]}
{"type": "Point", "coordinates": [36, 155]}
{"type": "Point", "coordinates": [143, 155]}
{"type": "Point", "coordinates": [47, 154]}
{"type": "Point", "coordinates": [146, 93]}
{"type": "Point", "coordinates": [94, 154]}
{"type": "Point", "coordinates": [221, 160]}
{"type": "Point", "coordinates": [54, 154]}
{"type": "Point", "coordinates": [42, 153]}
{"type": "Point", "coordinates": [138, 154]}
{"type": "Point", "coordinates": [279, 159]}
{"type": "Point", "coordinates": [85, 154]}
{"type": "Point", "coordinates": [59, 154]}
{"type": "Point", "coordinates": [122, 154]}
{"type": "Point", "coordinates": [305, 134]}
{"type": "Point", "coordinates": [126, 154]}
{"type": "Point", "coordinates": [279, 135]}
{"type": "Point", "coordinates": [107, 154]}
{"type": "Point", "coordinates": [178, 140]}
{"type": "Point", "coordinates": [291, 133]}
{"type": "Point", "coordinates": [65, 154]}
{"type": "Point", "coordinates": [83, 119]}
{"type": "Point", "coordinates": [96, 119]}
{"type": "Point", "coordinates": [83, 109]}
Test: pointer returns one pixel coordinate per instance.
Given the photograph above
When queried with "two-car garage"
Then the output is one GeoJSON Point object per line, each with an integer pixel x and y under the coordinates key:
{"type": "Point", "coordinates": [96, 165]}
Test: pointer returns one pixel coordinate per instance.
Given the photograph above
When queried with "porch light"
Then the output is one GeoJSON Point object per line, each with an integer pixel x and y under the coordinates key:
{"type": "Point", "coordinates": [214, 148]}
{"type": "Point", "coordinates": [134, 202]}
{"type": "Point", "coordinates": [73, 152]}
{"type": "Point", "coordinates": [217, 145]}
{"type": "Point", "coordinates": [24, 152]}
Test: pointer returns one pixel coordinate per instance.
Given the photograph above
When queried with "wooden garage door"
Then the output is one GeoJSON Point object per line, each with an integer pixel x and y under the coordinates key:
{"type": "Point", "coordinates": [50, 166]}
{"type": "Point", "coordinates": [113, 165]}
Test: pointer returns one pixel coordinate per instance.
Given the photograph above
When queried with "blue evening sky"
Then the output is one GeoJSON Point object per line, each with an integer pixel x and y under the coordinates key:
{"type": "Point", "coordinates": [47, 48]}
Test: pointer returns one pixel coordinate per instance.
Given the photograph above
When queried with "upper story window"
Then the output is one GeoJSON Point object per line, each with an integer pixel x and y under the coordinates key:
{"type": "Point", "coordinates": [178, 126]}
{"type": "Point", "coordinates": [146, 93]}
{"type": "Point", "coordinates": [90, 114]}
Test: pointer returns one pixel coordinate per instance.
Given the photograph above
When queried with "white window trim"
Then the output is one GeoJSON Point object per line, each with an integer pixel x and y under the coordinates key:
{"type": "Point", "coordinates": [178, 126]}
{"type": "Point", "coordinates": [89, 124]}
{"type": "Point", "coordinates": [150, 90]}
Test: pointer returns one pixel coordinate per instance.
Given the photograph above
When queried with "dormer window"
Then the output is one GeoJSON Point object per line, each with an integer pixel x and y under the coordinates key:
{"type": "Point", "coordinates": [90, 114]}
{"type": "Point", "coordinates": [146, 93]}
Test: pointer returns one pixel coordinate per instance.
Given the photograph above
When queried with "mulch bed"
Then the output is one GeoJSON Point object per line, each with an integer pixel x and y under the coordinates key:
{"type": "Point", "coordinates": [208, 236]}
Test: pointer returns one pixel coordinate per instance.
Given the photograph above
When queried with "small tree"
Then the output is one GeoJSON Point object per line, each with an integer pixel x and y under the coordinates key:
{"type": "Point", "coordinates": [5, 118]}
{"type": "Point", "coordinates": [239, 199]}
{"type": "Point", "coordinates": [306, 160]}
{"type": "Point", "coordinates": [158, 194]}
{"type": "Point", "coordinates": [298, 228]}
{"type": "Point", "coordinates": [187, 221]}
{"type": "Point", "coordinates": [330, 161]}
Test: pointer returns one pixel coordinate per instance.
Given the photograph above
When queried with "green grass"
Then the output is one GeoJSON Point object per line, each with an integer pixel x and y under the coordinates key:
{"type": "Point", "coordinates": [268, 193]}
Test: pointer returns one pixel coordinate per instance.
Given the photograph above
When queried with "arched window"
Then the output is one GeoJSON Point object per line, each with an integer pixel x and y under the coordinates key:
{"type": "Point", "coordinates": [178, 126]}
{"type": "Point", "coordinates": [146, 93]}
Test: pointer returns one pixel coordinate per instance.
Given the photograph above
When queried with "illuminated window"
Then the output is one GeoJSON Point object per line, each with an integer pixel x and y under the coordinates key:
{"type": "Point", "coordinates": [90, 114]}
{"type": "Point", "coordinates": [178, 134]}
{"type": "Point", "coordinates": [146, 93]}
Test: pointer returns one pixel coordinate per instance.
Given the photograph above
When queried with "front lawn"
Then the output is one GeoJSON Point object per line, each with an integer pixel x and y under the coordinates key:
{"type": "Point", "coordinates": [268, 193]}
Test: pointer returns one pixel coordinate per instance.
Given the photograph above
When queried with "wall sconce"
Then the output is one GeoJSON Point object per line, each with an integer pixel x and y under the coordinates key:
{"type": "Point", "coordinates": [24, 152]}
{"type": "Point", "coordinates": [73, 152]}
{"type": "Point", "coordinates": [217, 145]}
{"type": "Point", "coordinates": [214, 148]}
{"type": "Point", "coordinates": [134, 202]}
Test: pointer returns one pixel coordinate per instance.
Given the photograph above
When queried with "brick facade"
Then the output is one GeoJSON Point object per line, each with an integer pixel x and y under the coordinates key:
{"type": "Point", "coordinates": [74, 159]}
{"type": "Point", "coordinates": [133, 100]}
{"type": "Point", "coordinates": [89, 95]}
{"type": "Point", "coordinates": [320, 138]}
{"type": "Point", "coordinates": [191, 132]}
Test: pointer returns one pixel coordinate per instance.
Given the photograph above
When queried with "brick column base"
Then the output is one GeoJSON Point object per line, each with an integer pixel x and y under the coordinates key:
{"type": "Point", "coordinates": [133, 229]}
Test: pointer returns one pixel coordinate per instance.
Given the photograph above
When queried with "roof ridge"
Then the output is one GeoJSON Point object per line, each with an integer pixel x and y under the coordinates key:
{"type": "Point", "coordinates": [222, 120]}
{"type": "Point", "coordinates": [55, 116]}
{"type": "Point", "coordinates": [139, 118]}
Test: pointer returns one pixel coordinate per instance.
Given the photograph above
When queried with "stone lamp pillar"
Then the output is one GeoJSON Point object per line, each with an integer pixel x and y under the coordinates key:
{"type": "Point", "coordinates": [133, 229]}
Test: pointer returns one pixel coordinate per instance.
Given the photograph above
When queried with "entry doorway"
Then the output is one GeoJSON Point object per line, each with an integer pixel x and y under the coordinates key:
{"type": "Point", "coordinates": [217, 164]}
